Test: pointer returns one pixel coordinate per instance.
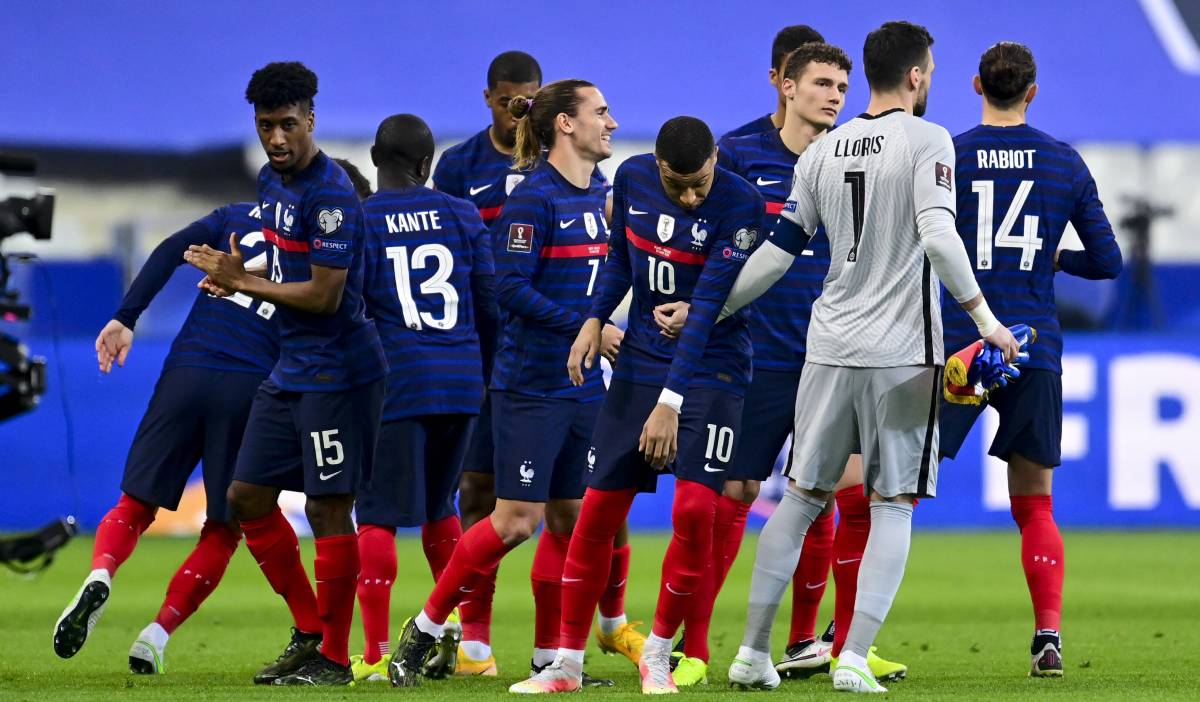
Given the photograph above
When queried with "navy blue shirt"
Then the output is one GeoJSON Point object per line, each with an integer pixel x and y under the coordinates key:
{"type": "Point", "coordinates": [754, 126]}
{"type": "Point", "coordinates": [549, 244]}
{"type": "Point", "coordinates": [427, 255]}
{"type": "Point", "coordinates": [474, 170]}
{"type": "Point", "coordinates": [315, 219]}
{"type": "Point", "coordinates": [234, 333]}
{"type": "Point", "coordinates": [667, 254]}
{"type": "Point", "coordinates": [779, 324]}
{"type": "Point", "coordinates": [1017, 189]}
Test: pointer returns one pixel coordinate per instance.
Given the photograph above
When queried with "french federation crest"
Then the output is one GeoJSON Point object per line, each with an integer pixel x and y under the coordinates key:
{"type": "Point", "coordinates": [666, 227]}
{"type": "Point", "coordinates": [511, 182]}
{"type": "Point", "coordinates": [589, 223]}
{"type": "Point", "coordinates": [698, 235]}
{"type": "Point", "coordinates": [745, 238]}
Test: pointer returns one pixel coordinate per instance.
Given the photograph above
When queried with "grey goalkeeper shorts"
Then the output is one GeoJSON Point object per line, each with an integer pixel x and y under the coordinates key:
{"type": "Point", "coordinates": [889, 415]}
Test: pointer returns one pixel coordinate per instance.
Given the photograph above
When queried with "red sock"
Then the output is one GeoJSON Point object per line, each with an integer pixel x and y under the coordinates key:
{"type": "Point", "coordinates": [589, 560]}
{"type": "Point", "coordinates": [476, 612]}
{"type": "Point", "coordinates": [377, 559]}
{"type": "Point", "coordinates": [1041, 557]}
{"type": "Point", "coordinates": [477, 554]}
{"type": "Point", "coordinates": [733, 540]}
{"type": "Point", "coordinates": [336, 568]}
{"type": "Point", "coordinates": [696, 623]}
{"type": "Point", "coordinates": [118, 533]}
{"type": "Point", "coordinates": [612, 602]}
{"type": "Point", "coordinates": [854, 526]}
{"type": "Point", "coordinates": [439, 539]}
{"type": "Point", "coordinates": [812, 572]}
{"type": "Point", "coordinates": [272, 542]}
{"type": "Point", "coordinates": [199, 575]}
{"type": "Point", "coordinates": [689, 555]}
{"type": "Point", "coordinates": [546, 578]}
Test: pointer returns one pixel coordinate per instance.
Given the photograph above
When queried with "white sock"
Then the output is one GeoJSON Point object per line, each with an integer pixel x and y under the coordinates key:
{"type": "Point", "coordinates": [100, 574]}
{"type": "Point", "coordinates": [571, 655]}
{"type": "Point", "coordinates": [655, 643]}
{"type": "Point", "coordinates": [853, 660]}
{"type": "Point", "coordinates": [749, 655]}
{"type": "Point", "coordinates": [155, 634]}
{"type": "Point", "coordinates": [609, 625]}
{"type": "Point", "coordinates": [427, 625]}
{"type": "Point", "coordinates": [477, 650]}
{"type": "Point", "coordinates": [544, 656]}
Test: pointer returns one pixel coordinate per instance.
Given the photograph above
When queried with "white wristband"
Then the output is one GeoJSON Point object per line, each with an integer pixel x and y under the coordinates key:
{"type": "Point", "coordinates": [985, 321]}
{"type": "Point", "coordinates": [671, 399]}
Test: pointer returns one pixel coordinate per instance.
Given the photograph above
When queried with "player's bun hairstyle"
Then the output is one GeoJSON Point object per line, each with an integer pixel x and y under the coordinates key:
{"type": "Point", "coordinates": [789, 39]}
{"type": "Point", "coordinates": [536, 115]}
{"type": "Point", "coordinates": [280, 84]}
{"type": "Point", "coordinates": [892, 50]}
{"type": "Point", "coordinates": [362, 186]}
{"type": "Point", "coordinates": [815, 52]}
{"type": "Point", "coordinates": [513, 67]}
{"type": "Point", "coordinates": [1006, 71]}
{"type": "Point", "coordinates": [685, 144]}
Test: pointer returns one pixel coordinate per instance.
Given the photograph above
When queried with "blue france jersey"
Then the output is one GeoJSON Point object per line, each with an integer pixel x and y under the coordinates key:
{"type": "Point", "coordinates": [1017, 190]}
{"type": "Point", "coordinates": [779, 324]}
{"type": "Point", "coordinates": [315, 219]}
{"type": "Point", "coordinates": [474, 170]}
{"type": "Point", "coordinates": [754, 126]}
{"type": "Point", "coordinates": [235, 333]}
{"type": "Point", "coordinates": [548, 244]}
{"type": "Point", "coordinates": [422, 248]}
{"type": "Point", "coordinates": [667, 254]}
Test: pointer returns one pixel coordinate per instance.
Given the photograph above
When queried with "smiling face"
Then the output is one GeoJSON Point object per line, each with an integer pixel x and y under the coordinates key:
{"type": "Point", "coordinates": [818, 94]}
{"type": "Point", "coordinates": [286, 134]}
{"type": "Point", "coordinates": [590, 129]}
{"type": "Point", "coordinates": [688, 190]}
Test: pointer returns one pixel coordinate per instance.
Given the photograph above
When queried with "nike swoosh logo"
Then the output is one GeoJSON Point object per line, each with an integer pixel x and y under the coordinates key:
{"type": "Point", "coordinates": [707, 469]}
{"type": "Point", "coordinates": [851, 560]}
{"type": "Point", "coordinates": [620, 584]}
{"type": "Point", "coordinates": [476, 191]}
{"type": "Point", "coordinates": [673, 591]}
{"type": "Point", "coordinates": [324, 477]}
{"type": "Point", "coordinates": [814, 586]}
{"type": "Point", "coordinates": [564, 225]}
{"type": "Point", "coordinates": [466, 589]}
{"type": "Point", "coordinates": [636, 212]}
{"type": "Point", "coordinates": [762, 182]}
{"type": "Point", "coordinates": [565, 579]}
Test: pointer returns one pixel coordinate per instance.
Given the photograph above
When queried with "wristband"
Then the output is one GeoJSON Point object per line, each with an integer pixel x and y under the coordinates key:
{"type": "Point", "coordinates": [671, 399]}
{"type": "Point", "coordinates": [985, 321]}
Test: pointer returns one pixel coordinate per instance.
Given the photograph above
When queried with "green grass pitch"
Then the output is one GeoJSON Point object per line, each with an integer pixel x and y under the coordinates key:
{"type": "Point", "coordinates": [962, 623]}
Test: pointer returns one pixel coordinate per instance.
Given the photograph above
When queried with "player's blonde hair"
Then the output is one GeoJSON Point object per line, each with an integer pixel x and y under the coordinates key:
{"type": "Point", "coordinates": [536, 116]}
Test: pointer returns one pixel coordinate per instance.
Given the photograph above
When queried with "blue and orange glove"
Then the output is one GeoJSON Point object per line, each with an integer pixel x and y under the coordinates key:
{"type": "Point", "coordinates": [980, 368]}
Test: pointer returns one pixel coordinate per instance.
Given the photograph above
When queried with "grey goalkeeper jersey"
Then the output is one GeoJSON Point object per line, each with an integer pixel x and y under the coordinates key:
{"type": "Point", "coordinates": [866, 181]}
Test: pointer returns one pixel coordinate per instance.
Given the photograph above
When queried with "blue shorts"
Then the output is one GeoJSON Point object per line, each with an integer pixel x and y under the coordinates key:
{"type": "Point", "coordinates": [318, 443]}
{"type": "Point", "coordinates": [541, 446]}
{"type": "Point", "coordinates": [481, 452]}
{"type": "Point", "coordinates": [708, 429]}
{"type": "Point", "coordinates": [1030, 420]}
{"type": "Point", "coordinates": [768, 419]}
{"type": "Point", "coordinates": [417, 464]}
{"type": "Point", "coordinates": [185, 423]}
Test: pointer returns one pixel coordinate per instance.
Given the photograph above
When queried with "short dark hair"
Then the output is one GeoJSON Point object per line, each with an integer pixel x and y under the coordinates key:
{"type": "Point", "coordinates": [280, 84]}
{"type": "Point", "coordinates": [789, 39]}
{"type": "Point", "coordinates": [513, 67]}
{"type": "Point", "coordinates": [362, 186]}
{"type": "Point", "coordinates": [684, 143]}
{"type": "Point", "coordinates": [402, 138]}
{"type": "Point", "coordinates": [1006, 71]}
{"type": "Point", "coordinates": [815, 52]}
{"type": "Point", "coordinates": [892, 50]}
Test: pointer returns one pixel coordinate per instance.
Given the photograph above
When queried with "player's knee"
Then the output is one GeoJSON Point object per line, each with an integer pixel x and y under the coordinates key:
{"type": "Point", "coordinates": [694, 507]}
{"type": "Point", "coordinates": [1028, 478]}
{"type": "Point", "coordinates": [516, 521]}
{"type": "Point", "coordinates": [750, 490]}
{"type": "Point", "coordinates": [561, 515]}
{"type": "Point", "coordinates": [476, 494]}
{"type": "Point", "coordinates": [330, 515]}
{"type": "Point", "coordinates": [248, 501]}
{"type": "Point", "coordinates": [734, 489]}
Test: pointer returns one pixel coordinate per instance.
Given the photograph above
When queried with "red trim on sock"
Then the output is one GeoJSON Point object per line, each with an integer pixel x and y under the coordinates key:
{"type": "Point", "coordinates": [812, 574]}
{"type": "Point", "coordinates": [272, 542]}
{"type": "Point", "coordinates": [118, 532]}
{"type": "Point", "coordinates": [199, 574]}
{"type": "Point", "coordinates": [477, 554]}
{"type": "Point", "coordinates": [689, 555]}
{"type": "Point", "coordinates": [546, 580]}
{"type": "Point", "coordinates": [377, 573]}
{"type": "Point", "coordinates": [849, 542]}
{"type": "Point", "coordinates": [336, 568]}
{"type": "Point", "coordinates": [438, 540]}
{"type": "Point", "coordinates": [612, 601]}
{"type": "Point", "coordinates": [589, 560]}
{"type": "Point", "coordinates": [1041, 557]}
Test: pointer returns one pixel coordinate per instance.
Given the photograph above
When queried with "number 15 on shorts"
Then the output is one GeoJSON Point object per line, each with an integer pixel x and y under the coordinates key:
{"type": "Point", "coordinates": [327, 449]}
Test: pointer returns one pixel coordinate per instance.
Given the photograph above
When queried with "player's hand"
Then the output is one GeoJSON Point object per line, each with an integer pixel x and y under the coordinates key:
{"type": "Point", "coordinates": [212, 288]}
{"type": "Point", "coordinates": [659, 441]}
{"type": "Point", "coordinates": [670, 317]}
{"type": "Point", "coordinates": [610, 342]}
{"type": "Point", "coordinates": [225, 270]}
{"type": "Point", "coordinates": [113, 344]}
{"type": "Point", "coordinates": [1057, 267]}
{"type": "Point", "coordinates": [584, 350]}
{"type": "Point", "coordinates": [1004, 340]}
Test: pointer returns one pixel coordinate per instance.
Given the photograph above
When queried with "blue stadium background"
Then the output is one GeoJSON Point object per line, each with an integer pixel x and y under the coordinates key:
{"type": "Point", "coordinates": [1119, 78]}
